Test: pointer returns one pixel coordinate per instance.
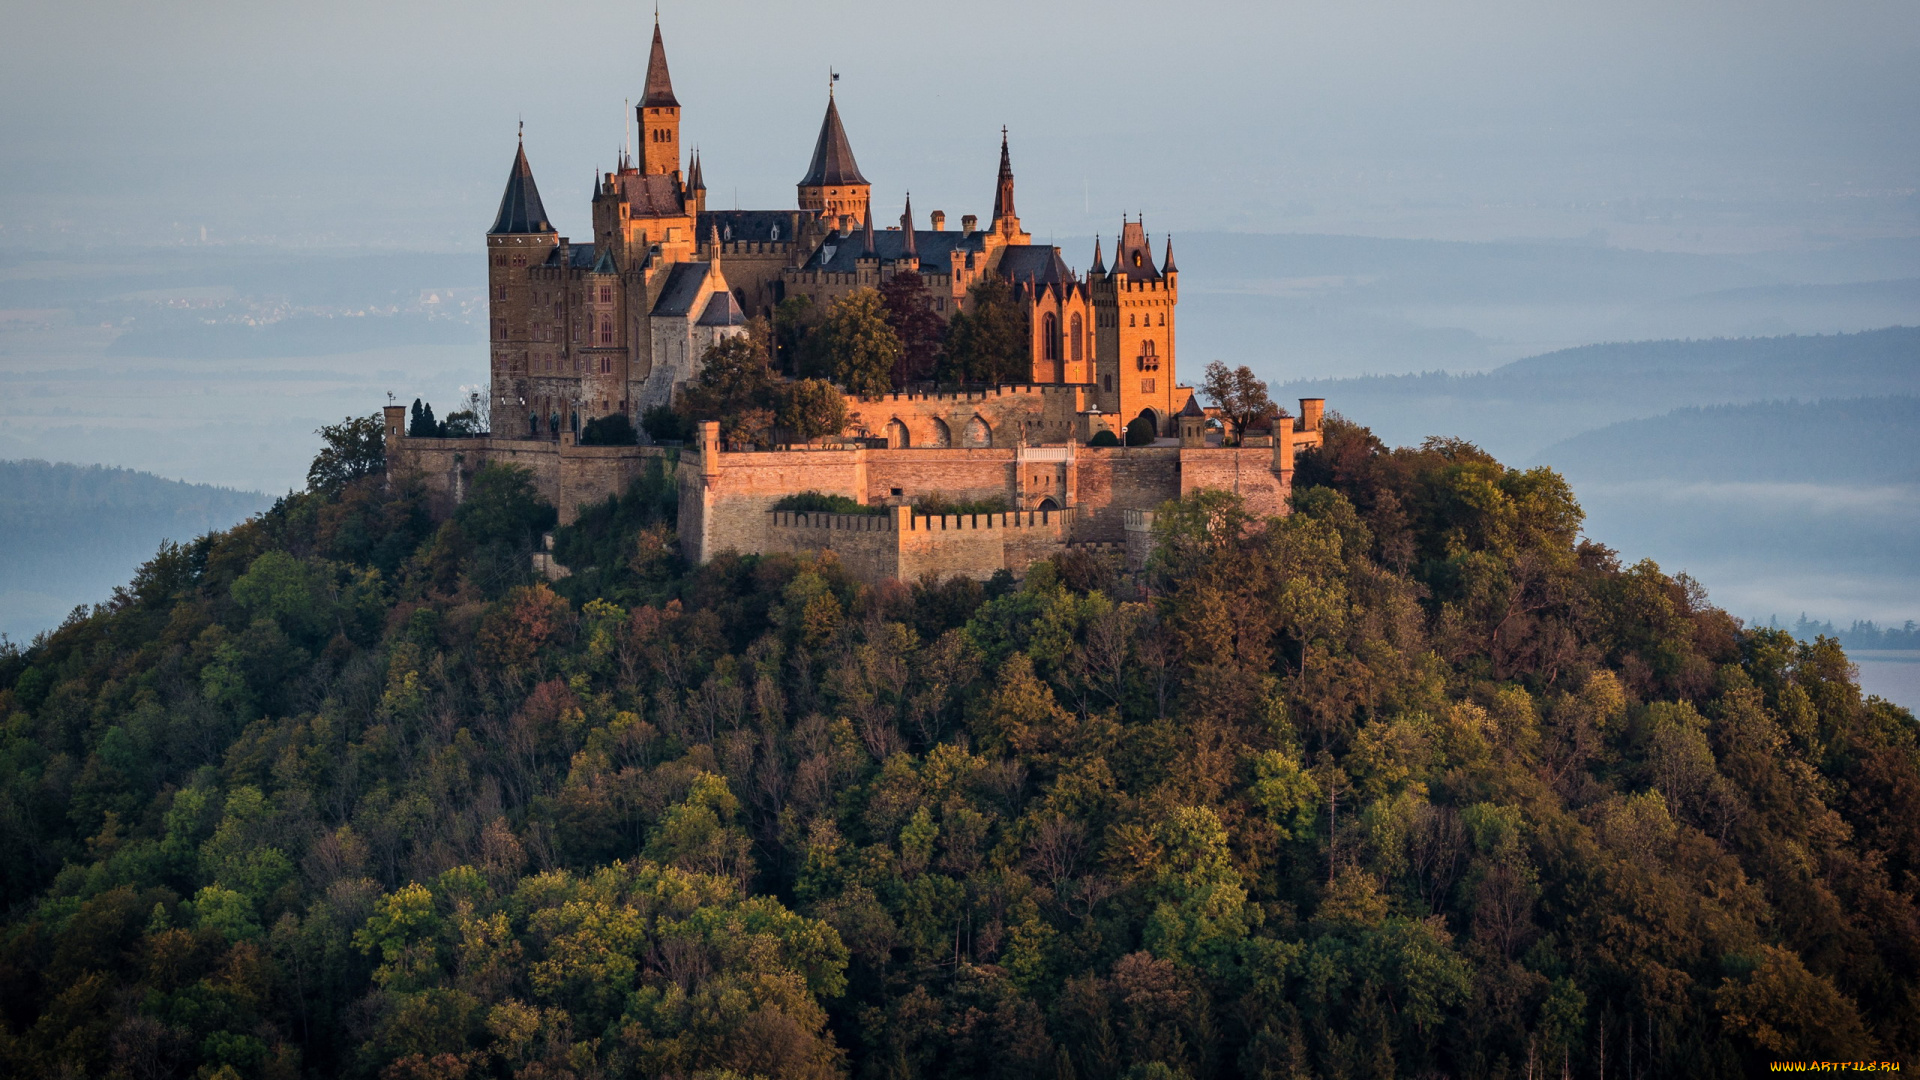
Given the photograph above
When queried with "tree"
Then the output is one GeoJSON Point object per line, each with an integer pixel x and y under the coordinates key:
{"type": "Point", "coordinates": [922, 333]}
{"type": "Point", "coordinates": [735, 387]}
{"type": "Point", "coordinates": [613, 429]}
{"type": "Point", "coordinates": [990, 342]}
{"type": "Point", "coordinates": [794, 322]}
{"type": "Point", "coordinates": [809, 409]}
{"type": "Point", "coordinates": [858, 345]}
{"type": "Point", "coordinates": [1239, 394]}
{"type": "Point", "coordinates": [355, 447]}
{"type": "Point", "coordinates": [1140, 432]}
{"type": "Point", "coordinates": [420, 423]}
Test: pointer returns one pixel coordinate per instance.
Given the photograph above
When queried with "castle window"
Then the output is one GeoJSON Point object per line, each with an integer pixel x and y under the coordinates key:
{"type": "Point", "coordinates": [1146, 386]}
{"type": "Point", "coordinates": [1163, 318]}
{"type": "Point", "coordinates": [559, 312]}
{"type": "Point", "coordinates": [606, 331]}
{"type": "Point", "coordinates": [500, 329]}
{"type": "Point", "coordinates": [1136, 258]}
{"type": "Point", "coordinates": [519, 260]}
{"type": "Point", "coordinates": [500, 292]}
{"type": "Point", "coordinates": [1076, 338]}
{"type": "Point", "coordinates": [1050, 337]}
{"type": "Point", "coordinates": [606, 294]}
{"type": "Point", "coordinates": [606, 368]}
{"type": "Point", "coordinates": [1107, 381]}
{"type": "Point", "coordinates": [1130, 321]}
{"type": "Point", "coordinates": [499, 260]}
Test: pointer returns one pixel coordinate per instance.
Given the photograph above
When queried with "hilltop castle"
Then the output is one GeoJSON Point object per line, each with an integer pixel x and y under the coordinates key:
{"type": "Point", "coordinates": [580, 331]}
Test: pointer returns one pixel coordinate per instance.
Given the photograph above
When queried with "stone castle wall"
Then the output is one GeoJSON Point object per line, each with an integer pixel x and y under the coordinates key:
{"type": "Point", "coordinates": [905, 546]}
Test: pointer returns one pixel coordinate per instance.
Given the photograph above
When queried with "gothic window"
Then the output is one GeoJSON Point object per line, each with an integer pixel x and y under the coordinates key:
{"type": "Point", "coordinates": [558, 311]}
{"type": "Point", "coordinates": [606, 365]}
{"type": "Point", "coordinates": [1075, 324]}
{"type": "Point", "coordinates": [1050, 337]}
{"type": "Point", "coordinates": [519, 260]}
{"type": "Point", "coordinates": [499, 292]}
{"type": "Point", "coordinates": [499, 260]}
{"type": "Point", "coordinates": [606, 331]}
{"type": "Point", "coordinates": [1130, 321]}
{"type": "Point", "coordinates": [606, 294]}
{"type": "Point", "coordinates": [1163, 318]}
{"type": "Point", "coordinates": [500, 329]}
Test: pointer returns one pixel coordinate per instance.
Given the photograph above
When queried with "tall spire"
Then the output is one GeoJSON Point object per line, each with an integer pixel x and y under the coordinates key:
{"type": "Point", "coordinates": [659, 92]}
{"type": "Point", "coordinates": [695, 181]}
{"type": "Point", "coordinates": [1003, 191]}
{"type": "Point", "coordinates": [906, 226]}
{"type": "Point", "coordinates": [1166, 266]}
{"type": "Point", "coordinates": [832, 162]}
{"type": "Point", "coordinates": [520, 209]}
{"type": "Point", "coordinates": [866, 233]}
{"type": "Point", "coordinates": [1099, 263]}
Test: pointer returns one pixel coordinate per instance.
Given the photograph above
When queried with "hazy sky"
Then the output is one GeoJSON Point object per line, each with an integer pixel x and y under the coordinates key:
{"type": "Point", "coordinates": [1679, 123]}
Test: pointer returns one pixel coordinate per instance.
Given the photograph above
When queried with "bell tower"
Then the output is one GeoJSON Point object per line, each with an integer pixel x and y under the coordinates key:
{"type": "Point", "coordinates": [659, 113]}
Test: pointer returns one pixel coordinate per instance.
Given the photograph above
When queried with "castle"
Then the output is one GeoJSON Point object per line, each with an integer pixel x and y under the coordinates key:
{"type": "Point", "coordinates": [580, 331]}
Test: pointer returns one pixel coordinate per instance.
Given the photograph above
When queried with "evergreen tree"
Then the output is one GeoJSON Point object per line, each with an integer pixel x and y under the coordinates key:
{"type": "Point", "coordinates": [990, 342]}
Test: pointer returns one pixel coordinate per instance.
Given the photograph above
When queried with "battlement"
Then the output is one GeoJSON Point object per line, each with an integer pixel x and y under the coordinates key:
{"type": "Point", "coordinates": [907, 546]}
{"type": "Point", "coordinates": [1043, 390]}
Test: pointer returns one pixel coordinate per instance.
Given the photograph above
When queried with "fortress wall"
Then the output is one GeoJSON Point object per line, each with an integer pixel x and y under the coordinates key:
{"type": "Point", "coordinates": [866, 544]}
{"type": "Point", "coordinates": [565, 475]}
{"type": "Point", "coordinates": [1113, 479]}
{"type": "Point", "coordinates": [957, 474]}
{"type": "Point", "coordinates": [1046, 413]}
{"type": "Point", "coordinates": [732, 495]}
{"type": "Point", "coordinates": [978, 545]}
{"type": "Point", "coordinates": [1246, 470]}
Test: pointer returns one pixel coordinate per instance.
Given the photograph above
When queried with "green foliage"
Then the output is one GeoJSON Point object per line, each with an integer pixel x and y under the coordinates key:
{"type": "Point", "coordinates": [1140, 432]}
{"type": "Point", "coordinates": [1103, 437]}
{"type": "Point", "coordinates": [1240, 395]}
{"type": "Point", "coordinates": [991, 340]}
{"type": "Point", "coordinates": [664, 424]}
{"type": "Point", "coordinates": [935, 504]}
{"type": "Point", "coordinates": [355, 447]}
{"type": "Point", "coordinates": [614, 429]}
{"type": "Point", "coordinates": [858, 344]}
{"type": "Point", "coordinates": [1408, 782]}
{"type": "Point", "coordinates": [809, 409]}
{"type": "Point", "coordinates": [815, 502]}
{"type": "Point", "coordinates": [922, 333]}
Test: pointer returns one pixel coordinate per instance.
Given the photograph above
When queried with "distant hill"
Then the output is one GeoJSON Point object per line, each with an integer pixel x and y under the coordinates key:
{"type": "Point", "coordinates": [1521, 408]}
{"type": "Point", "coordinates": [1851, 440]}
{"type": "Point", "coordinates": [73, 532]}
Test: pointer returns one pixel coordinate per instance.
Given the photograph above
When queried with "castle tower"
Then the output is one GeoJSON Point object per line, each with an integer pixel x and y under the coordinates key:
{"type": "Point", "coordinates": [521, 237]}
{"type": "Point", "coordinates": [833, 186]}
{"type": "Point", "coordinates": [697, 186]}
{"type": "Point", "coordinates": [1134, 306]}
{"type": "Point", "coordinates": [659, 113]}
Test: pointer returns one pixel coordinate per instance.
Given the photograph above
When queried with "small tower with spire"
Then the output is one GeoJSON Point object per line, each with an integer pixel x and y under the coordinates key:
{"type": "Point", "coordinates": [659, 114]}
{"type": "Point", "coordinates": [1005, 221]}
{"type": "Point", "coordinates": [521, 238]}
{"type": "Point", "coordinates": [833, 186]}
{"type": "Point", "coordinates": [697, 185]}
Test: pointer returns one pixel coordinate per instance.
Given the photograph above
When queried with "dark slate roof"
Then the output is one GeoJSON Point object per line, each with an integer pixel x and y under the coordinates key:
{"type": "Point", "coordinates": [604, 263]}
{"type": "Point", "coordinates": [841, 254]}
{"type": "Point", "coordinates": [578, 257]}
{"type": "Point", "coordinates": [1193, 408]}
{"type": "Point", "coordinates": [832, 155]}
{"type": "Point", "coordinates": [723, 310]}
{"type": "Point", "coordinates": [520, 209]}
{"type": "Point", "coordinates": [650, 194]}
{"type": "Point", "coordinates": [759, 226]}
{"type": "Point", "coordinates": [695, 181]}
{"type": "Point", "coordinates": [1167, 267]}
{"type": "Point", "coordinates": [1133, 241]}
{"type": "Point", "coordinates": [1099, 264]}
{"type": "Point", "coordinates": [1036, 263]}
{"type": "Point", "coordinates": [682, 289]}
{"type": "Point", "coordinates": [659, 85]}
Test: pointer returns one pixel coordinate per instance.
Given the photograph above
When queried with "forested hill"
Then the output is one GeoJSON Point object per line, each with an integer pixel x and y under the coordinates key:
{"type": "Point", "coordinates": [70, 533]}
{"type": "Point", "coordinates": [1411, 782]}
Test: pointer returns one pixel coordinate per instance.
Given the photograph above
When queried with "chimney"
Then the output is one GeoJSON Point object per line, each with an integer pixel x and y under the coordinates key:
{"type": "Point", "coordinates": [939, 221]}
{"type": "Point", "coordinates": [969, 223]}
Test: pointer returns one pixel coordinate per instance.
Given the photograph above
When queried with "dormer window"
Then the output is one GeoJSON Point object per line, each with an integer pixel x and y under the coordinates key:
{"type": "Point", "coordinates": [1136, 258]}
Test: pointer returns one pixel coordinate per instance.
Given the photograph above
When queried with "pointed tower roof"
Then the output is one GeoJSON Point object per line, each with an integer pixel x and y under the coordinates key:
{"type": "Point", "coordinates": [1099, 263]}
{"type": "Point", "coordinates": [659, 83]}
{"type": "Point", "coordinates": [1003, 190]}
{"type": "Point", "coordinates": [695, 181]}
{"type": "Point", "coordinates": [520, 209]}
{"type": "Point", "coordinates": [906, 227]}
{"type": "Point", "coordinates": [1166, 266]}
{"type": "Point", "coordinates": [832, 154]}
{"type": "Point", "coordinates": [1133, 256]}
{"type": "Point", "coordinates": [866, 232]}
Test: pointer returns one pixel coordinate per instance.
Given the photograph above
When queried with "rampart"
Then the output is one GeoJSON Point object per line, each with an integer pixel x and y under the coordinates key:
{"type": "Point", "coordinates": [906, 546]}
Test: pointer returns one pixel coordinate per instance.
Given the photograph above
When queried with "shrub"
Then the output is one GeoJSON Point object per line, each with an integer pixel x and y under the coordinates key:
{"type": "Point", "coordinates": [938, 505]}
{"type": "Point", "coordinates": [816, 502]}
{"type": "Point", "coordinates": [665, 425]}
{"type": "Point", "coordinates": [1103, 438]}
{"type": "Point", "coordinates": [1141, 432]}
{"type": "Point", "coordinates": [613, 430]}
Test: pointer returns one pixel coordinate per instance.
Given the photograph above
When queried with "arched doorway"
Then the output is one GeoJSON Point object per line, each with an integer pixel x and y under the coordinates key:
{"type": "Point", "coordinates": [1048, 504]}
{"type": "Point", "coordinates": [897, 437]}
{"type": "Point", "coordinates": [942, 434]}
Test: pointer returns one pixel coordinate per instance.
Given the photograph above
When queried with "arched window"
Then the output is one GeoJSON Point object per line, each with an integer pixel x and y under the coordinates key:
{"type": "Point", "coordinates": [1050, 337]}
{"type": "Point", "coordinates": [1076, 350]}
{"type": "Point", "coordinates": [1163, 318]}
{"type": "Point", "coordinates": [606, 330]}
{"type": "Point", "coordinates": [1130, 321]}
{"type": "Point", "coordinates": [978, 433]}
